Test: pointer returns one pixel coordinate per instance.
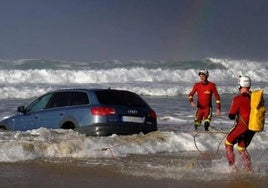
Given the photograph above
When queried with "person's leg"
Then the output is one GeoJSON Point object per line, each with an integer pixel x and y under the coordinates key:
{"type": "Point", "coordinates": [245, 157]}
{"type": "Point", "coordinates": [231, 139]}
{"type": "Point", "coordinates": [229, 152]}
{"type": "Point", "coordinates": [208, 115]}
{"type": "Point", "coordinates": [248, 137]}
{"type": "Point", "coordinates": [196, 124]}
{"type": "Point", "coordinates": [206, 124]}
{"type": "Point", "coordinates": [198, 118]}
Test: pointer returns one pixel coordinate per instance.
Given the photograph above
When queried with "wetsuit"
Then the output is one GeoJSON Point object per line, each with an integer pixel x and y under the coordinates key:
{"type": "Point", "coordinates": [240, 110]}
{"type": "Point", "coordinates": [204, 103]}
{"type": "Point", "coordinates": [240, 134]}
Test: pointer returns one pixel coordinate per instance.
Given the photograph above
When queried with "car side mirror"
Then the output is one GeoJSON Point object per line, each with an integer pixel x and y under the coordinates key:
{"type": "Point", "coordinates": [21, 109]}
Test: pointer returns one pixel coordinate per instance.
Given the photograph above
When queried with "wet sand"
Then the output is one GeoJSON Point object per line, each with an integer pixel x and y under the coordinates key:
{"type": "Point", "coordinates": [66, 174]}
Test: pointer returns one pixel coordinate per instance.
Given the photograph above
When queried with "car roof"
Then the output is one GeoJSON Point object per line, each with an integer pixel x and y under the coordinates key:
{"type": "Point", "coordinates": [93, 91]}
{"type": "Point", "coordinates": [87, 89]}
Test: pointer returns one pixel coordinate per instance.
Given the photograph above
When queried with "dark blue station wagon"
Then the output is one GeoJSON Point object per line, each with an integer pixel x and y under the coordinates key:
{"type": "Point", "coordinates": [94, 112]}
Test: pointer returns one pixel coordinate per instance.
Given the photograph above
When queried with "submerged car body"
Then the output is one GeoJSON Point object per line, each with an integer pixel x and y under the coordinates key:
{"type": "Point", "coordinates": [94, 112]}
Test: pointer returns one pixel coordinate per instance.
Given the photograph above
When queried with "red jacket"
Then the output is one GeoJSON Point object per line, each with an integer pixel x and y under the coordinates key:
{"type": "Point", "coordinates": [204, 94]}
{"type": "Point", "coordinates": [240, 106]}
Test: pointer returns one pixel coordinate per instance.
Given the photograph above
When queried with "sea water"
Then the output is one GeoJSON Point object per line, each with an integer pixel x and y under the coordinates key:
{"type": "Point", "coordinates": [176, 148]}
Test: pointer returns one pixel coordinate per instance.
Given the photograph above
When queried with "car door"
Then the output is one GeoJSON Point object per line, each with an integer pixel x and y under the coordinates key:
{"type": "Point", "coordinates": [24, 122]}
{"type": "Point", "coordinates": [55, 110]}
{"type": "Point", "coordinates": [30, 118]}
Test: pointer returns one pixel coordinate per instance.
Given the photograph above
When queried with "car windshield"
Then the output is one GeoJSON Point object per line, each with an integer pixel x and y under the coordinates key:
{"type": "Point", "coordinates": [115, 97]}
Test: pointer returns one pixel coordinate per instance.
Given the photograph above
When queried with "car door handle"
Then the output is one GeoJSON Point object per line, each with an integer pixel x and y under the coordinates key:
{"type": "Point", "coordinates": [61, 114]}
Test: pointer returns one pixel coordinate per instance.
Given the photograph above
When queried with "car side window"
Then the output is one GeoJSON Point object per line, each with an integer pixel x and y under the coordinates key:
{"type": "Point", "coordinates": [59, 99]}
{"type": "Point", "coordinates": [79, 98]}
{"type": "Point", "coordinates": [39, 104]}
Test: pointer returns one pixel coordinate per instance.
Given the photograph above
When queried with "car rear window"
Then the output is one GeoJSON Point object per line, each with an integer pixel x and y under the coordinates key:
{"type": "Point", "coordinates": [115, 97]}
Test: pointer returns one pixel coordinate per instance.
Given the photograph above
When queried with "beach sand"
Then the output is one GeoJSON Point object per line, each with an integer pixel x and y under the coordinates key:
{"type": "Point", "coordinates": [68, 173]}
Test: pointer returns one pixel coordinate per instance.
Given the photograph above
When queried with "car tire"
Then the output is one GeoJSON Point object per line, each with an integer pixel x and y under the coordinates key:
{"type": "Point", "coordinates": [68, 125]}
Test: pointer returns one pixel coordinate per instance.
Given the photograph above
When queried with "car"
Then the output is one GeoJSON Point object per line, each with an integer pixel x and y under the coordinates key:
{"type": "Point", "coordinates": [94, 112]}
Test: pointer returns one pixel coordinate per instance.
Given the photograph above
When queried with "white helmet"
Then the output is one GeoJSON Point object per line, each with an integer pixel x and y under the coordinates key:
{"type": "Point", "coordinates": [203, 71]}
{"type": "Point", "coordinates": [244, 81]}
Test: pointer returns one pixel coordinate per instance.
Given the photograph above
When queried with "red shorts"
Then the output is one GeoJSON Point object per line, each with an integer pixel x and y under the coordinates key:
{"type": "Point", "coordinates": [203, 114]}
{"type": "Point", "coordinates": [240, 135]}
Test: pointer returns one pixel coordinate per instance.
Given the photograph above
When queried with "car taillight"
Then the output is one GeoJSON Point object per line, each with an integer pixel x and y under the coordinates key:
{"type": "Point", "coordinates": [102, 111]}
{"type": "Point", "coordinates": [152, 114]}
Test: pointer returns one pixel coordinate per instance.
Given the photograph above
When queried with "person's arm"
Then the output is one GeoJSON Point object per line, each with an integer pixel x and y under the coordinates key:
{"type": "Point", "coordinates": [233, 110]}
{"type": "Point", "coordinates": [218, 100]}
{"type": "Point", "coordinates": [191, 96]}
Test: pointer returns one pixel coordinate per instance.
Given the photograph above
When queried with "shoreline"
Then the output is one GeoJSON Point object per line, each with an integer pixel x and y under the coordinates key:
{"type": "Point", "coordinates": [70, 173]}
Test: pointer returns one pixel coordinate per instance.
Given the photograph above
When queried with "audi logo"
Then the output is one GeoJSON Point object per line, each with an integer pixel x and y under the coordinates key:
{"type": "Point", "coordinates": [132, 111]}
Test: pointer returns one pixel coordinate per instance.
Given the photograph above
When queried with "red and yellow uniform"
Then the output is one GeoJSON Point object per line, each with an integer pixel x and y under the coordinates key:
{"type": "Point", "coordinates": [240, 134]}
{"type": "Point", "coordinates": [240, 109]}
{"type": "Point", "coordinates": [204, 100]}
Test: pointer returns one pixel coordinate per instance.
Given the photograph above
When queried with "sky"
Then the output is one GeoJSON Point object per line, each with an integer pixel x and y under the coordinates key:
{"type": "Point", "coordinates": [133, 29]}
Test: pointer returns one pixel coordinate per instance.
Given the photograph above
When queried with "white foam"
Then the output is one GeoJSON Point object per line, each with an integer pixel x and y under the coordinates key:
{"type": "Point", "coordinates": [44, 143]}
{"type": "Point", "coordinates": [156, 81]}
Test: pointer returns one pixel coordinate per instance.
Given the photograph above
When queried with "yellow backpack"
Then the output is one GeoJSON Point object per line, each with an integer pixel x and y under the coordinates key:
{"type": "Point", "coordinates": [257, 112]}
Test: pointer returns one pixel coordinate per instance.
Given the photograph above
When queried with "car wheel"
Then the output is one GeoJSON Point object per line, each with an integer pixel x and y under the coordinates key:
{"type": "Point", "coordinates": [2, 128]}
{"type": "Point", "coordinates": [68, 125]}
